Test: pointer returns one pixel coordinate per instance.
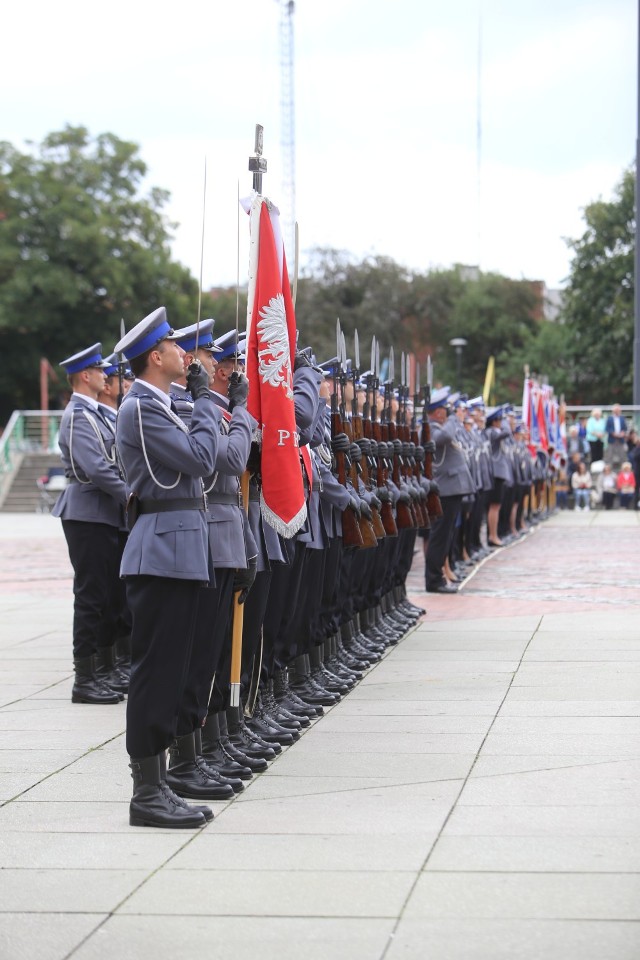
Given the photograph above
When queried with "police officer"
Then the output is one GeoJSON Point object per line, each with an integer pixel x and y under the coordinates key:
{"type": "Point", "coordinates": [166, 559]}
{"type": "Point", "coordinates": [454, 481]}
{"type": "Point", "coordinates": [91, 510]}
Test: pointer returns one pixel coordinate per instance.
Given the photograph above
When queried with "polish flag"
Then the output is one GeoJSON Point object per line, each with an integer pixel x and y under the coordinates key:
{"type": "Point", "coordinates": [270, 352]}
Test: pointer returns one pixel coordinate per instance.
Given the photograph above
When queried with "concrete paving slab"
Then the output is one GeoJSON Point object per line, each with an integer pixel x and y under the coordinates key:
{"type": "Point", "coordinates": [464, 939]}
{"type": "Point", "coordinates": [302, 852]}
{"type": "Point", "coordinates": [425, 766]}
{"type": "Point", "coordinates": [45, 936]}
{"type": "Point", "coordinates": [274, 893]}
{"type": "Point", "coordinates": [270, 938]}
{"type": "Point", "coordinates": [590, 784]}
{"type": "Point", "coordinates": [499, 765]}
{"type": "Point", "coordinates": [405, 724]}
{"type": "Point", "coordinates": [616, 820]}
{"type": "Point", "coordinates": [317, 742]}
{"type": "Point", "coordinates": [73, 817]}
{"type": "Point", "coordinates": [378, 811]}
{"type": "Point", "coordinates": [66, 891]}
{"type": "Point", "coordinates": [468, 689]}
{"type": "Point", "coordinates": [419, 708]}
{"type": "Point", "coordinates": [570, 707]}
{"type": "Point", "coordinates": [588, 744]}
{"type": "Point", "coordinates": [526, 896]}
{"type": "Point", "coordinates": [623, 727]}
{"type": "Point", "coordinates": [555, 854]}
{"type": "Point", "coordinates": [136, 850]}
{"type": "Point", "coordinates": [21, 761]}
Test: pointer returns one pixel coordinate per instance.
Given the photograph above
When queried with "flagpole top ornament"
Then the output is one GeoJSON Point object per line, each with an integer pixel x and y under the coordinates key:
{"type": "Point", "coordinates": [257, 163]}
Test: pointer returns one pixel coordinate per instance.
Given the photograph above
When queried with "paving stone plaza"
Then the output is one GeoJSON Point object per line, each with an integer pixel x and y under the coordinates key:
{"type": "Point", "coordinates": [475, 797]}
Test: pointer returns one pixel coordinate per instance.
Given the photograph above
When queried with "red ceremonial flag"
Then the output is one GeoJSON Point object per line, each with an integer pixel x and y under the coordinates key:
{"type": "Point", "coordinates": [270, 351]}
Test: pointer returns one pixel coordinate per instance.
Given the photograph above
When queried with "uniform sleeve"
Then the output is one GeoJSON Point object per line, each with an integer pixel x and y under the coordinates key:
{"type": "Point", "coordinates": [88, 458]}
{"type": "Point", "coordinates": [234, 446]}
{"type": "Point", "coordinates": [192, 453]}
{"type": "Point", "coordinates": [306, 385]}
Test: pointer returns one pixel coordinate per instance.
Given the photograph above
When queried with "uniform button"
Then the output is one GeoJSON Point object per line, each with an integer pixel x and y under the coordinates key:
{"type": "Point", "coordinates": [180, 524]}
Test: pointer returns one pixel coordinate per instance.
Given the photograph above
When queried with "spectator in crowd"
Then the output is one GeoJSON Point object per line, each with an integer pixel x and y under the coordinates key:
{"type": "Point", "coordinates": [581, 485]}
{"type": "Point", "coordinates": [616, 430]}
{"type": "Point", "coordinates": [633, 445]}
{"type": "Point", "coordinates": [595, 434]}
{"type": "Point", "coordinates": [582, 426]}
{"type": "Point", "coordinates": [562, 484]}
{"type": "Point", "coordinates": [606, 487]}
{"type": "Point", "coordinates": [626, 483]}
{"type": "Point", "coordinates": [575, 459]}
{"type": "Point", "coordinates": [576, 443]}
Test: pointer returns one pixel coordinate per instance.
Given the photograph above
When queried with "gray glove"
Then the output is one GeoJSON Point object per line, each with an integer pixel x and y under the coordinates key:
{"type": "Point", "coordinates": [197, 381]}
{"type": "Point", "coordinates": [433, 487]}
{"type": "Point", "coordinates": [340, 443]}
{"type": "Point", "coordinates": [375, 503]}
{"type": "Point", "coordinates": [429, 447]}
{"type": "Point", "coordinates": [238, 390]}
{"type": "Point", "coordinates": [365, 509]}
{"type": "Point", "coordinates": [354, 505]}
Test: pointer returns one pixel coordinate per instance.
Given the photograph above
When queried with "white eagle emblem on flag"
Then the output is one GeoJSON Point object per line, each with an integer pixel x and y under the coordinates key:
{"type": "Point", "coordinates": [272, 330]}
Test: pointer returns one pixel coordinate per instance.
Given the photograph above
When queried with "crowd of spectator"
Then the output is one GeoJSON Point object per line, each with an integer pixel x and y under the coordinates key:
{"type": "Point", "coordinates": [602, 466]}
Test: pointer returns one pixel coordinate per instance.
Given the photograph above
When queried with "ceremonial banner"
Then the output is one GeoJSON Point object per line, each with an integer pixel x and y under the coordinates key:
{"type": "Point", "coordinates": [270, 351]}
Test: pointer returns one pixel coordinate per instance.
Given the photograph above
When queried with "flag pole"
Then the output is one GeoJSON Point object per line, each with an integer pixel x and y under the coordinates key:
{"type": "Point", "coordinates": [257, 166]}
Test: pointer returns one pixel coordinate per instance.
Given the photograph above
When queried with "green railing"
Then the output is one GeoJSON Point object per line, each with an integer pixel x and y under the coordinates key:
{"type": "Point", "coordinates": [27, 432]}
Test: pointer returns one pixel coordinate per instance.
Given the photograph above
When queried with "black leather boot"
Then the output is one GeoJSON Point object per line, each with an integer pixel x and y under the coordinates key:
{"type": "Point", "coordinates": [214, 753]}
{"type": "Point", "coordinates": [206, 812]}
{"type": "Point", "coordinates": [123, 655]}
{"type": "Point", "coordinates": [295, 704]}
{"type": "Point", "coordinates": [152, 805]}
{"type": "Point", "coordinates": [279, 712]}
{"type": "Point", "coordinates": [105, 660]}
{"type": "Point", "coordinates": [188, 776]}
{"type": "Point", "coordinates": [321, 675]}
{"type": "Point", "coordinates": [87, 688]}
{"type": "Point", "coordinates": [304, 684]}
{"type": "Point", "coordinates": [333, 663]}
{"type": "Point", "coordinates": [213, 770]}
{"type": "Point", "coordinates": [255, 764]}
{"type": "Point", "coordinates": [246, 740]}
{"type": "Point", "coordinates": [268, 728]}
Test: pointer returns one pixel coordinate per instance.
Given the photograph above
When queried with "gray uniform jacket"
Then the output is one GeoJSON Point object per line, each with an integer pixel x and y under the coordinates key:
{"type": "Point", "coordinates": [500, 455]}
{"type": "Point", "coordinates": [231, 543]}
{"type": "Point", "coordinates": [96, 492]}
{"type": "Point", "coordinates": [450, 469]}
{"type": "Point", "coordinates": [163, 460]}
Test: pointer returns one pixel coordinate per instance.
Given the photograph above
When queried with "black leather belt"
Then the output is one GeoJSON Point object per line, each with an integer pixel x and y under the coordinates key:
{"type": "Point", "coordinates": [166, 506]}
{"type": "Point", "coordinates": [234, 498]}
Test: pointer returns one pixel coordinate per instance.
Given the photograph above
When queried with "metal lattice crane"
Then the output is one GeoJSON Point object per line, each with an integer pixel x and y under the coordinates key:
{"type": "Point", "coordinates": [287, 128]}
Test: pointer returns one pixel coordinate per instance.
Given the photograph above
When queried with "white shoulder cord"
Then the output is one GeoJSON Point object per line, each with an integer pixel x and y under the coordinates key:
{"type": "Point", "coordinates": [110, 458]}
{"type": "Point", "coordinates": [73, 466]}
{"type": "Point", "coordinates": [178, 422]}
{"type": "Point", "coordinates": [224, 428]}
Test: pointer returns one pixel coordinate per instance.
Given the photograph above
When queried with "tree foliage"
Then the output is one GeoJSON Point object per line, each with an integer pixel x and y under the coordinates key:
{"type": "Point", "coordinates": [80, 247]}
{"type": "Point", "coordinates": [599, 307]}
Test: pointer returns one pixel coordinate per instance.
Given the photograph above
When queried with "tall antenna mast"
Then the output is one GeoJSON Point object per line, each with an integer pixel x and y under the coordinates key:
{"type": "Point", "coordinates": [287, 128]}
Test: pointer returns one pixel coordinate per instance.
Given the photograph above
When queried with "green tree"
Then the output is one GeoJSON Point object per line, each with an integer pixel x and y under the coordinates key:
{"type": "Point", "coordinates": [80, 247]}
{"type": "Point", "coordinates": [598, 309]}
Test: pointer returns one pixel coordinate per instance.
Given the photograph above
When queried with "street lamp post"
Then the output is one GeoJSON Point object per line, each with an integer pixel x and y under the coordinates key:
{"type": "Point", "coordinates": [458, 343]}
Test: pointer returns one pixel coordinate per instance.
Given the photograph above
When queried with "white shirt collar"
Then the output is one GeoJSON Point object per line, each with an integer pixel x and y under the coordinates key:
{"type": "Point", "coordinates": [82, 396]}
{"type": "Point", "coordinates": [166, 399]}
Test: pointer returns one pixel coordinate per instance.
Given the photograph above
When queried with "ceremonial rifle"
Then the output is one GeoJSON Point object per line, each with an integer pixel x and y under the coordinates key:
{"type": "Point", "coordinates": [433, 500]}
{"type": "Point", "coordinates": [351, 534]}
{"type": "Point", "coordinates": [121, 366]}
{"type": "Point", "coordinates": [415, 439]}
{"type": "Point", "coordinates": [362, 468]}
{"type": "Point", "coordinates": [386, 512]}
{"type": "Point", "coordinates": [404, 517]}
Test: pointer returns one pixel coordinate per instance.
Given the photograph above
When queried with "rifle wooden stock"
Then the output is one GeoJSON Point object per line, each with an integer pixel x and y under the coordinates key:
{"type": "Point", "coordinates": [404, 514]}
{"type": "Point", "coordinates": [386, 512]}
{"type": "Point", "coordinates": [358, 427]}
{"type": "Point", "coordinates": [433, 500]}
{"type": "Point", "coordinates": [351, 535]}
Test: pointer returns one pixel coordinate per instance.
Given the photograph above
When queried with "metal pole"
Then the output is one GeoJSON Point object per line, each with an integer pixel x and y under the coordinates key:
{"type": "Point", "coordinates": [636, 299]}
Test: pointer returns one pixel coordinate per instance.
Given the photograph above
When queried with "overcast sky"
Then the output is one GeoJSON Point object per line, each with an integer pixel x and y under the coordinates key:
{"type": "Point", "coordinates": [386, 105]}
